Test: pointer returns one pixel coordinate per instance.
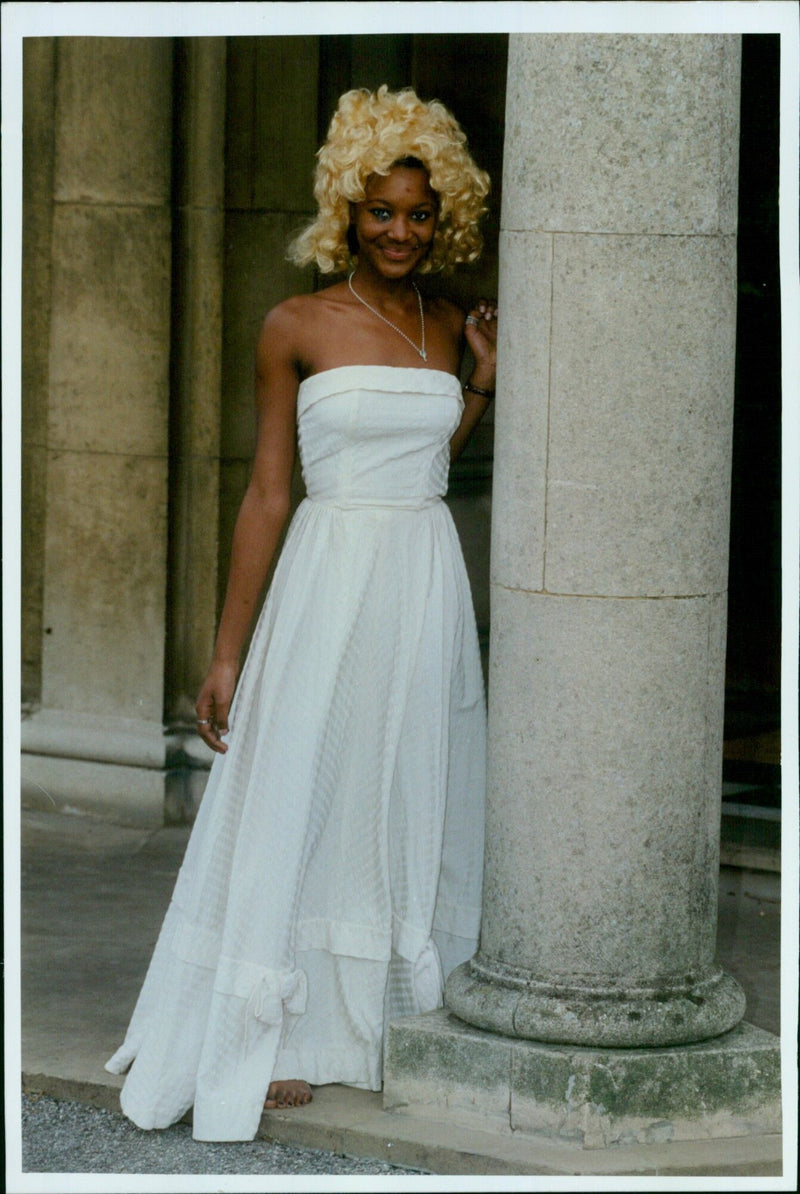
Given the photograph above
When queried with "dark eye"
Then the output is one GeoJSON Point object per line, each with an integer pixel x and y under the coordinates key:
{"type": "Point", "coordinates": [421, 216]}
{"type": "Point", "coordinates": [380, 213]}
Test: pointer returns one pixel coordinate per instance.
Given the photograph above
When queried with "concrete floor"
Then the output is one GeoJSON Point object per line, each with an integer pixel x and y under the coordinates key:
{"type": "Point", "coordinates": [93, 896]}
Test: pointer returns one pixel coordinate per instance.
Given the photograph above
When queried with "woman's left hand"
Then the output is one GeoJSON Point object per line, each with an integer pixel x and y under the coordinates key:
{"type": "Point", "coordinates": [480, 330]}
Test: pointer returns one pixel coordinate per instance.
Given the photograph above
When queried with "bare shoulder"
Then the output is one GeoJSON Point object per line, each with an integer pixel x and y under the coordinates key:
{"type": "Point", "coordinates": [286, 316]}
{"type": "Point", "coordinates": [291, 328]}
{"type": "Point", "coordinates": [280, 340]}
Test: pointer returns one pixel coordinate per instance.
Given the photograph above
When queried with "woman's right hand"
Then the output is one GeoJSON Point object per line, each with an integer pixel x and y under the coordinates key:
{"type": "Point", "coordinates": [213, 705]}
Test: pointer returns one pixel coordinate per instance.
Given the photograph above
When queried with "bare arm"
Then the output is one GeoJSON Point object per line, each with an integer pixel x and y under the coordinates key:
{"type": "Point", "coordinates": [482, 339]}
{"type": "Point", "coordinates": [260, 521]}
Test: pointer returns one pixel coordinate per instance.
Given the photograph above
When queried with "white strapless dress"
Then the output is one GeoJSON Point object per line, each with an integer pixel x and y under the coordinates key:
{"type": "Point", "coordinates": [333, 875]}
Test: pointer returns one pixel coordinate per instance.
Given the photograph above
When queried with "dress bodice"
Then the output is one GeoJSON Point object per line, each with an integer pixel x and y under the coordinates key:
{"type": "Point", "coordinates": [377, 434]}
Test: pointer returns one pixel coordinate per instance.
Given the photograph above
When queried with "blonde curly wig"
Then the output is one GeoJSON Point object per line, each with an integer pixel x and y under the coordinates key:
{"type": "Point", "coordinates": [369, 133]}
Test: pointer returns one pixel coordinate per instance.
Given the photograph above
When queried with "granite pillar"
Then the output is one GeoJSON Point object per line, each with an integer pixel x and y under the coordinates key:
{"type": "Point", "coordinates": [609, 570]}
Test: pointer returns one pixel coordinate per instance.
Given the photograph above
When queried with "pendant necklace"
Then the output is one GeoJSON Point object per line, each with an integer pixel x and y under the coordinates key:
{"type": "Point", "coordinates": [364, 303]}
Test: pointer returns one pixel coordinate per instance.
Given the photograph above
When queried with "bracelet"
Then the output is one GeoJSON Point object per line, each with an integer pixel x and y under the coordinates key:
{"type": "Point", "coordinates": [477, 390]}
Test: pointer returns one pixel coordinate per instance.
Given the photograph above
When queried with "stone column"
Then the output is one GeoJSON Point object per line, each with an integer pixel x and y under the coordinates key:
{"type": "Point", "coordinates": [99, 732]}
{"type": "Point", "coordinates": [197, 288]}
{"type": "Point", "coordinates": [610, 543]}
{"type": "Point", "coordinates": [37, 219]}
{"type": "Point", "coordinates": [609, 568]}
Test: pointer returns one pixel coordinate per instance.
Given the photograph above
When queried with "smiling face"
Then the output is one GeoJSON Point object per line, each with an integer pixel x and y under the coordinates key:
{"type": "Point", "coordinates": [395, 222]}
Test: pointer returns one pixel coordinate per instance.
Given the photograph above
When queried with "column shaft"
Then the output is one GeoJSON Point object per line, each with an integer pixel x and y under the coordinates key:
{"type": "Point", "coordinates": [609, 556]}
{"type": "Point", "coordinates": [37, 222]}
{"type": "Point", "coordinates": [198, 257]}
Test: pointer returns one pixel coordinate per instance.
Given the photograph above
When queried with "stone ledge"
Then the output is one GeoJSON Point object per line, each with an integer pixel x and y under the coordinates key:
{"type": "Point", "coordinates": [351, 1122]}
{"type": "Point", "coordinates": [124, 741]}
{"type": "Point", "coordinates": [128, 771]}
{"type": "Point", "coordinates": [124, 795]}
{"type": "Point", "coordinates": [594, 1099]}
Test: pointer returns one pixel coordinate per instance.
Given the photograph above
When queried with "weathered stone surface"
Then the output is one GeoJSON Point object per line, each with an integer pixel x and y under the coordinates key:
{"type": "Point", "coordinates": [470, 1082]}
{"type": "Point", "coordinates": [728, 1087]}
{"type": "Point", "coordinates": [674, 1011]}
{"type": "Point", "coordinates": [198, 238]}
{"type": "Point", "coordinates": [624, 432]}
{"type": "Point", "coordinates": [105, 450]}
{"type": "Point", "coordinates": [114, 120]}
{"type": "Point", "coordinates": [200, 93]}
{"type": "Point", "coordinates": [641, 133]}
{"type": "Point", "coordinates": [520, 469]}
{"type": "Point", "coordinates": [37, 213]}
{"type": "Point", "coordinates": [104, 584]}
{"type": "Point", "coordinates": [34, 502]}
{"type": "Point", "coordinates": [196, 373]}
{"type": "Point", "coordinates": [75, 734]}
{"type": "Point", "coordinates": [109, 363]}
{"type": "Point", "coordinates": [601, 740]}
{"type": "Point", "coordinates": [640, 415]}
{"type": "Point", "coordinates": [272, 109]}
{"type": "Point", "coordinates": [591, 1098]}
{"type": "Point", "coordinates": [132, 796]}
{"type": "Point", "coordinates": [38, 80]}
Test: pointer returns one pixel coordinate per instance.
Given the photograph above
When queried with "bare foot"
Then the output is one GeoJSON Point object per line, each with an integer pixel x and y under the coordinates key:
{"type": "Point", "coordinates": [290, 1092]}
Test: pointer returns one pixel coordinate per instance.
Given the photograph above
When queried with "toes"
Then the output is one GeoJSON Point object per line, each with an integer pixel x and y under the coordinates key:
{"type": "Point", "coordinates": [281, 1096]}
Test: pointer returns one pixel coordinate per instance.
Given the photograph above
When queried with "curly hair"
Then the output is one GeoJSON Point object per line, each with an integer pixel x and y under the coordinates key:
{"type": "Point", "coordinates": [369, 133]}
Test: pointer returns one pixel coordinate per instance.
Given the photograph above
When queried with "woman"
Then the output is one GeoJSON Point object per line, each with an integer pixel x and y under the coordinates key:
{"type": "Point", "coordinates": [332, 878]}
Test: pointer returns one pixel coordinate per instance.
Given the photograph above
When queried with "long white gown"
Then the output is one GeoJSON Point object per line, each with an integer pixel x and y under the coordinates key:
{"type": "Point", "coordinates": [333, 875]}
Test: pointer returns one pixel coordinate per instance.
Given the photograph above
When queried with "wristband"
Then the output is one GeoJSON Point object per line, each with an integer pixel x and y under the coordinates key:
{"type": "Point", "coordinates": [477, 390]}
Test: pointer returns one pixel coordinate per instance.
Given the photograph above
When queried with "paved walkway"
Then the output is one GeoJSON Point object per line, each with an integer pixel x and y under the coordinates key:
{"type": "Point", "coordinates": [93, 898]}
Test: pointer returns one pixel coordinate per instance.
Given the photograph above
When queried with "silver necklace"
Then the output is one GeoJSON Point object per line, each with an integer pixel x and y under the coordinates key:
{"type": "Point", "coordinates": [364, 303]}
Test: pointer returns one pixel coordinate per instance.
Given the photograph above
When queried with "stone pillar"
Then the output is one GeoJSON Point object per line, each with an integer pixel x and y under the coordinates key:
{"type": "Point", "coordinates": [197, 288]}
{"type": "Point", "coordinates": [610, 541]}
{"type": "Point", "coordinates": [609, 567]}
{"type": "Point", "coordinates": [37, 220]}
{"type": "Point", "coordinates": [100, 726]}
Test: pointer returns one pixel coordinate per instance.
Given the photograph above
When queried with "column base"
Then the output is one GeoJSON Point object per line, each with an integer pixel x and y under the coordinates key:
{"type": "Point", "coordinates": [590, 1098]}
{"type": "Point", "coordinates": [502, 999]}
{"type": "Point", "coordinates": [129, 772]}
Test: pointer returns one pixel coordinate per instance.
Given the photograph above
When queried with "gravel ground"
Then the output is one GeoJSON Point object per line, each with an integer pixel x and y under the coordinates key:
{"type": "Point", "coordinates": [62, 1137]}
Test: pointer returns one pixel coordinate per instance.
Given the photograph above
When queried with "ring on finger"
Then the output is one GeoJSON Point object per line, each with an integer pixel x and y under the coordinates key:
{"type": "Point", "coordinates": [203, 721]}
{"type": "Point", "coordinates": [472, 321]}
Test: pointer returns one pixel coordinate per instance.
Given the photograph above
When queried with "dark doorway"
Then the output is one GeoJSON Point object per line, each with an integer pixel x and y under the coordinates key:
{"type": "Point", "coordinates": [752, 706]}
